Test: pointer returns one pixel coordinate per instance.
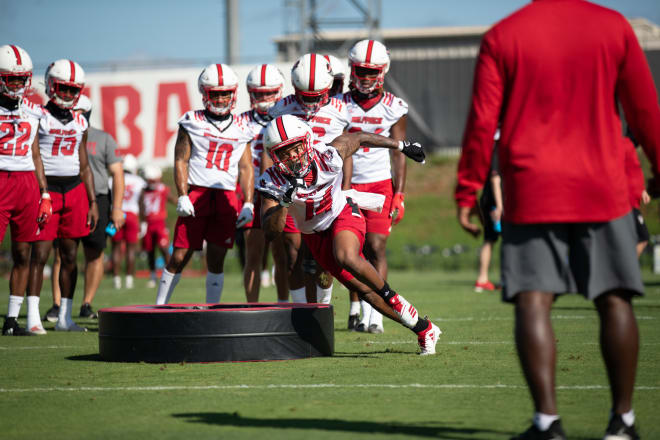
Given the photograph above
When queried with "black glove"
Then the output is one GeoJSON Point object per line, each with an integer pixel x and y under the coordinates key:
{"type": "Point", "coordinates": [413, 150]}
{"type": "Point", "coordinates": [294, 183]}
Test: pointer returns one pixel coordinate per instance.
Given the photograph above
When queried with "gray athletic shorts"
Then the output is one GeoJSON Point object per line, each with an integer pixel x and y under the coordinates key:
{"type": "Point", "coordinates": [589, 258]}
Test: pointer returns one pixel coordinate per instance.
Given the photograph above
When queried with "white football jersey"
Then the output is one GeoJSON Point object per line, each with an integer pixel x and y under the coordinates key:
{"type": "Point", "coordinates": [329, 122]}
{"type": "Point", "coordinates": [133, 187]}
{"type": "Point", "coordinates": [316, 206]}
{"type": "Point", "coordinates": [18, 129]}
{"type": "Point", "coordinates": [373, 164]}
{"type": "Point", "coordinates": [59, 144]}
{"type": "Point", "coordinates": [215, 151]}
{"type": "Point", "coordinates": [256, 125]}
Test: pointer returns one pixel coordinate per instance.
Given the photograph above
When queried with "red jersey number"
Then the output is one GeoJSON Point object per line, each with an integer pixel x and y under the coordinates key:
{"type": "Point", "coordinates": [218, 156]}
{"type": "Point", "coordinates": [64, 146]}
{"type": "Point", "coordinates": [324, 205]}
{"type": "Point", "coordinates": [319, 132]}
{"type": "Point", "coordinates": [18, 148]}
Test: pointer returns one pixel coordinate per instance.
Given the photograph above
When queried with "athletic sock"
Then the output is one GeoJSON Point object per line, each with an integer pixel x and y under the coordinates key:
{"type": "Point", "coordinates": [386, 293]}
{"type": "Point", "coordinates": [366, 312]}
{"type": "Point", "coordinates": [543, 421]}
{"type": "Point", "coordinates": [64, 316]}
{"type": "Point", "coordinates": [33, 318]}
{"type": "Point", "coordinates": [355, 308]}
{"type": "Point", "coordinates": [422, 324]}
{"type": "Point", "coordinates": [168, 282]}
{"type": "Point", "coordinates": [628, 418]}
{"type": "Point", "coordinates": [376, 318]}
{"type": "Point", "coordinates": [214, 283]}
{"type": "Point", "coordinates": [298, 295]}
{"type": "Point", "coordinates": [14, 308]}
{"type": "Point", "coordinates": [129, 281]}
{"type": "Point", "coordinates": [323, 296]}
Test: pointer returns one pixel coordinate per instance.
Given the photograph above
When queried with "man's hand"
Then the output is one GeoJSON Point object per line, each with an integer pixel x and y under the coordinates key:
{"type": "Point", "coordinates": [463, 214]}
{"type": "Point", "coordinates": [413, 150]}
{"type": "Point", "coordinates": [646, 198]}
{"type": "Point", "coordinates": [184, 207]}
{"type": "Point", "coordinates": [93, 216]}
{"type": "Point", "coordinates": [45, 209]}
{"type": "Point", "coordinates": [294, 183]}
{"type": "Point", "coordinates": [118, 217]}
{"type": "Point", "coordinates": [397, 208]}
{"type": "Point", "coordinates": [246, 215]}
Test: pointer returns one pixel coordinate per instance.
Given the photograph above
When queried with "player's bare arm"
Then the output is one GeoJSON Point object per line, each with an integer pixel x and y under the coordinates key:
{"type": "Point", "coordinates": [182, 151]}
{"type": "Point", "coordinates": [88, 181]}
{"type": "Point", "coordinates": [273, 217]}
{"type": "Point", "coordinates": [398, 133]}
{"type": "Point", "coordinates": [246, 175]}
{"type": "Point", "coordinates": [348, 143]}
{"type": "Point", "coordinates": [39, 166]}
{"type": "Point", "coordinates": [116, 214]}
{"type": "Point", "coordinates": [347, 170]}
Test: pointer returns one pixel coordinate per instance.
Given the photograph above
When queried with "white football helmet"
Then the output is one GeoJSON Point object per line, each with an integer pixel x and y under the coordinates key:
{"type": "Point", "coordinates": [84, 104]}
{"type": "Point", "coordinates": [152, 172]}
{"type": "Point", "coordinates": [368, 54]}
{"type": "Point", "coordinates": [218, 78]}
{"type": "Point", "coordinates": [264, 83]}
{"type": "Point", "coordinates": [130, 164]}
{"type": "Point", "coordinates": [65, 80]}
{"type": "Point", "coordinates": [282, 132]}
{"type": "Point", "coordinates": [15, 67]}
{"type": "Point", "coordinates": [312, 78]}
{"type": "Point", "coordinates": [338, 73]}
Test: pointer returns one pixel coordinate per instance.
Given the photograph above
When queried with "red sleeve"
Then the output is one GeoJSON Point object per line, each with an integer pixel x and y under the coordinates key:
{"type": "Point", "coordinates": [482, 122]}
{"type": "Point", "coordinates": [634, 174]}
{"type": "Point", "coordinates": [639, 98]}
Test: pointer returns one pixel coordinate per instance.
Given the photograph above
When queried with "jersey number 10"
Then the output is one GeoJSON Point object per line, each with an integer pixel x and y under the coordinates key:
{"type": "Point", "coordinates": [218, 156]}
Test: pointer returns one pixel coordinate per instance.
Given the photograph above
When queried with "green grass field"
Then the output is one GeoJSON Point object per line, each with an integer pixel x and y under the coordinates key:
{"type": "Point", "coordinates": [375, 386]}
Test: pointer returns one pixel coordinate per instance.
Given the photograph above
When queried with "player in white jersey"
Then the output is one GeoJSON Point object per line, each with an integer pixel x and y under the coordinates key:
{"type": "Point", "coordinates": [21, 179]}
{"type": "Point", "coordinates": [210, 155]}
{"type": "Point", "coordinates": [312, 79]}
{"type": "Point", "coordinates": [62, 140]}
{"type": "Point", "coordinates": [374, 110]}
{"type": "Point", "coordinates": [305, 181]}
{"type": "Point", "coordinates": [127, 236]}
{"type": "Point", "coordinates": [264, 83]}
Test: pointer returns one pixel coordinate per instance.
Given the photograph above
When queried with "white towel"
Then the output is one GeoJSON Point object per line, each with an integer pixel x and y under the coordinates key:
{"type": "Point", "coordinates": [366, 200]}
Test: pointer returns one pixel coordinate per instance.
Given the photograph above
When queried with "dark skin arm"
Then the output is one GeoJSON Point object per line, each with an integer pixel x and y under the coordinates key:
{"type": "Point", "coordinates": [39, 165]}
{"type": "Point", "coordinates": [347, 170]}
{"type": "Point", "coordinates": [398, 133]}
{"type": "Point", "coordinates": [273, 217]}
{"type": "Point", "coordinates": [348, 143]}
{"type": "Point", "coordinates": [182, 151]}
{"type": "Point", "coordinates": [88, 181]}
{"type": "Point", "coordinates": [246, 175]}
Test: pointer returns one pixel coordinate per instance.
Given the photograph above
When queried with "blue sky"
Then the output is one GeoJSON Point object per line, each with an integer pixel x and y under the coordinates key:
{"type": "Point", "coordinates": [96, 33]}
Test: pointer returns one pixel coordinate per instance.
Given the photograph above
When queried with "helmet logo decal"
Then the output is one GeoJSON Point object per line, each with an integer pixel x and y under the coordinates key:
{"type": "Point", "coordinates": [17, 54]}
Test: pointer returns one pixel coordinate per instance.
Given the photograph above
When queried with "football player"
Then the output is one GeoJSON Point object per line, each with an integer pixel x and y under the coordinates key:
{"type": "Point", "coordinates": [21, 180]}
{"type": "Point", "coordinates": [305, 181]}
{"type": "Point", "coordinates": [210, 154]}
{"type": "Point", "coordinates": [264, 83]}
{"type": "Point", "coordinates": [127, 236]}
{"type": "Point", "coordinates": [312, 79]}
{"type": "Point", "coordinates": [154, 212]}
{"type": "Point", "coordinates": [62, 140]}
{"type": "Point", "coordinates": [373, 110]}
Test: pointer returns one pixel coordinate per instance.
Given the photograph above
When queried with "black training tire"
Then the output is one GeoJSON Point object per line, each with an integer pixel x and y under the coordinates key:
{"type": "Point", "coordinates": [215, 332]}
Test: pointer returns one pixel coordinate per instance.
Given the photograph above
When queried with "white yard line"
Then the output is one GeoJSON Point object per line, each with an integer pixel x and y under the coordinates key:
{"type": "Point", "coordinates": [307, 386]}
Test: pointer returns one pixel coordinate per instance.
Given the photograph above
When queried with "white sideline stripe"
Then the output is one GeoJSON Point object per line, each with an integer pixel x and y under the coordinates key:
{"type": "Point", "coordinates": [308, 386]}
{"type": "Point", "coordinates": [567, 317]}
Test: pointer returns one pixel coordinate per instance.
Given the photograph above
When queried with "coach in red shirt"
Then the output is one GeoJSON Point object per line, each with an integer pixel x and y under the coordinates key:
{"type": "Point", "coordinates": [552, 74]}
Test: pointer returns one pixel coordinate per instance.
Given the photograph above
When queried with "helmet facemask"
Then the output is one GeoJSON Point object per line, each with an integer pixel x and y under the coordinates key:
{"type": "Point", "coordinates": [217, 102]}
{"type": "Point", "coordinates": [292, 161]}
{"type": "Point", "coordinates": [64, 94]}
{"type": "Point", "coordinates": [263, 98]}
{"type": "Point", "coordinates": [367, 77]}
{"type": "Point", "coordinates": [311, 102]}
{"type": "Point", "coordinates": [14, 85]}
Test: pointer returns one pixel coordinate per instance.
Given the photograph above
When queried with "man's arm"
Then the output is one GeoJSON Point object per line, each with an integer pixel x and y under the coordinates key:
{"type": "Point", "coordinates": [347, 170]}
{"type": "Point", "coordinates": [246, 175]}
{"type": "Point", "coordinates": [88, 181]}
{"type": "Point", "coordinates": [182, 151]}
{"type": "Point", "coordinates": [45, 204]}
{"type": "Point", "coordinates": [273, 217]}
{"type": "Point", "coordinates": [398, 133]}
{"type": "Point", "coordinates": [348, 143]}
{"type": "Point", "coordinates": [116, 214]}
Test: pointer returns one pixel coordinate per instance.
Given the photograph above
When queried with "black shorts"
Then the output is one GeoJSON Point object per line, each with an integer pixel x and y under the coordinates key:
{"type": "Point", "coordinates": [640, 227]}
{"type": "Point", "coordinates": [97, 239]}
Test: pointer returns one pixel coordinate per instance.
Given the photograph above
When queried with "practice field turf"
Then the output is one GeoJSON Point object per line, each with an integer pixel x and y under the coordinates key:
{"type": "Point", "coordinates": [375, 386]}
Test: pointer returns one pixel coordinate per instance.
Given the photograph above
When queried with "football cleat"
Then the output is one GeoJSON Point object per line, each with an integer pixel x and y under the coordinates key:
{"type": "Point", "coordinates": [86, 311]}
{"type": "Point", "coordinates": [11, 328]}
{"type": "Point", "coordinates": [376, 328]}
{"type": "Point", "coordinates": [554, 432]}
{"type": "Point", "coordinates": [353, 321]}
{"type": "Point", "coordinates": [361, 327]}
{"type": "Point", "coordinates": [72, 327]}
{"type": "Point", "coordinates": [36, 330]}
{"type": "Point", "coordinates": [618, 430]}
{"type": "Point", "coordinates": [151, 284]}
{"type": "Point", "coordinates": [427, 339]}
{"type": "Point", "coordinates": [404, 310]}
{"type": "Point", "coordinates": [480, 287]}
{"type": "Point", "coordinates": [52, 314]}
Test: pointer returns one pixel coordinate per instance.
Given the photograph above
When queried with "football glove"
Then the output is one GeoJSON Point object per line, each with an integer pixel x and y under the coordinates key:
{"type": "Point", "coordinates": [45, 209]}
{"type": "Point", "coordinates": [413, 150]}
{"type": "Point", "coordinates": [398, 208]}
{"type": "Point", "coordinates": [184, 207]}
{"type": "Point", "coordinates": [246, 215]}
{"type": "Point", "coordinates": [294, 183]}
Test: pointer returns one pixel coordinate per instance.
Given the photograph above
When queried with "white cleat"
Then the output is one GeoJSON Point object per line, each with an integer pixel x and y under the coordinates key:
{"type": "Point", "coordinates": [376, 328]}
{"type": "Point", "coordinates": [129, 282]}
{"type": "Point", "coordinates": [151, 284]}
{"type": "Point", "coordinates": [116, 281]}
{"type": "Point", "coordinates": [406, 312]}
{"type": "Point", "coordinates": [72, 327]}
{"type": "Point", "coordinates": [36, 330]}
{"type": "Point", "coordinates": [428, 338]}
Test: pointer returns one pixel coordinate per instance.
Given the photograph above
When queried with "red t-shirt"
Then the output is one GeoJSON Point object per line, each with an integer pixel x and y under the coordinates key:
{"type": "Point", "coordinates": [551, 75]}
{"type": "Point", "coordinates": [155, 202]}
